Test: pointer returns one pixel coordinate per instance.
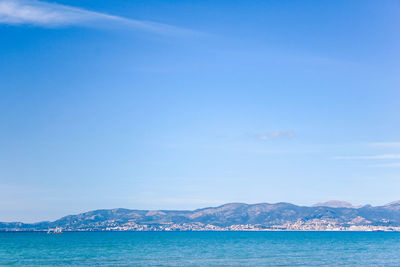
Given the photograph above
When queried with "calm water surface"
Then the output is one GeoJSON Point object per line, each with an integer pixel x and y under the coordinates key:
{"type": "Point", "coordinates": [201, 249]}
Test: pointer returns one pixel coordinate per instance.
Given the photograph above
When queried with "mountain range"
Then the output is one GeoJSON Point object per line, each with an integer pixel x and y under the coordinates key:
{"type": "Point", "coordinates": [337, 213]}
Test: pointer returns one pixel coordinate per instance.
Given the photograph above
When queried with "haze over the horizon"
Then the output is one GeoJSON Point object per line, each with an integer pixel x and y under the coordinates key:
{"type": "Point", "coordinates": [187, 104]}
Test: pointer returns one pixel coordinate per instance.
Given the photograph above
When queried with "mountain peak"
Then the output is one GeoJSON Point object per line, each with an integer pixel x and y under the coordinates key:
{"type": "Point", "coordinates": [394, 203]}
{"type": "Point", "coordinates": [334, 204]}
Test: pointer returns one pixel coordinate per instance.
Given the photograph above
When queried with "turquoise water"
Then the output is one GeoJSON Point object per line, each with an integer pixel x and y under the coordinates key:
{"type": "Point", "coordinates": [201, 249]}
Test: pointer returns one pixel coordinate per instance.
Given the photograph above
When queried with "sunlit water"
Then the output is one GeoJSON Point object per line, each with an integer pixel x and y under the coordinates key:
{"type": "Point", "coordinates": [201, 249]}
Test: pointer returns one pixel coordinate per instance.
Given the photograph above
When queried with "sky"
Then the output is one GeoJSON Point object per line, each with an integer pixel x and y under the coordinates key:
{"type": "Point", "coordinates": [188, 104]}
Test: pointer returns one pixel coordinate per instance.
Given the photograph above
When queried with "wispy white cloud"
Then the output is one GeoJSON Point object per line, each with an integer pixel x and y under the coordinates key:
{"type": "Point", "coordinates": [384, 156]}
{"type": "Point", "coordinates": [386, 144]}
{"type": "Point", "coordinates": [277, 134]}
{"type": "Point", "coordinates": [387, 165]}
{"type": "Point", "coordinates": [44, 14]}
{"type": "Point", "coordinates": [384, 159]}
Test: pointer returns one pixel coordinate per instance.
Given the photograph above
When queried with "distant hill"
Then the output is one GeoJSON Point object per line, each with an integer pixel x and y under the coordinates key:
{"type": "Point", "coordinates": [337, 213]}
{"type": "Point", "coordinates": [394, 203]}
{"type": "Point", "coordinates": [334, 204]}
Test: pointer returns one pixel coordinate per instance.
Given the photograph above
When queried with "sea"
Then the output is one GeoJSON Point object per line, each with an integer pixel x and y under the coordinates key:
{"type": "Point", "coordinates": [200, 249]}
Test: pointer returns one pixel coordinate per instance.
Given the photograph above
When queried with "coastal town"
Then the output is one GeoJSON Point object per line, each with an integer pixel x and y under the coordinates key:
{"type": "Point", "coordinates": [315, 225]}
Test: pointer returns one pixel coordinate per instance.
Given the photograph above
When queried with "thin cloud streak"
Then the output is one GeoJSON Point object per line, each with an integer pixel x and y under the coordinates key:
{"type": "Point", "coordinates": [385, 156]}
{"type": "Point", "coordinates": [43, 14]}
{"type": "Point", "coordinates": [278, 134]}
{"type": "Point", "coordinates": [386, 144]}
{"type": "Point", "coordinates": [386, 165]}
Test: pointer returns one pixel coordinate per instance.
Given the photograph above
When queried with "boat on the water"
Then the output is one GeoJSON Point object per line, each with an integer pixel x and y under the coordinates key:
{"type": "Point", "coordinates": [57, 230]}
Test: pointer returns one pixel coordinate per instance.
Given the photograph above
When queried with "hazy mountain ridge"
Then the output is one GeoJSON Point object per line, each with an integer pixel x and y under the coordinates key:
{"type": "Point", "coordinates": [264, 214]}
{"type": "Point", "coordinates": [334, 204]}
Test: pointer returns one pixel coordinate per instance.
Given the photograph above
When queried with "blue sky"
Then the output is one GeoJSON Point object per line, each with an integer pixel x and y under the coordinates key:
{"type": "Point", "coordinates": [187, 104]}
